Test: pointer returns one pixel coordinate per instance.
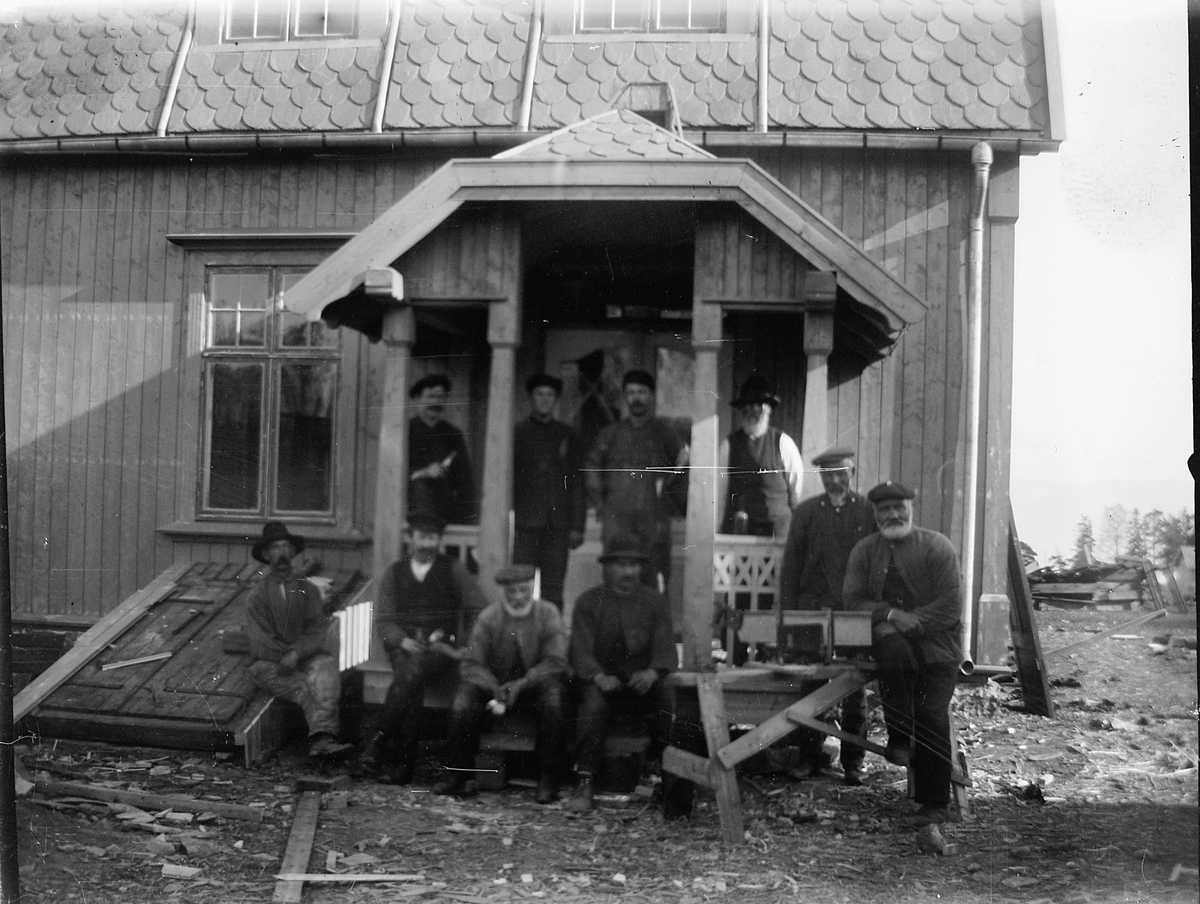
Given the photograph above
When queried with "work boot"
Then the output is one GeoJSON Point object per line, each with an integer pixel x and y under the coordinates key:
{"type": "Point", "coordinates": [325, 746]}
{"type": "Point", "coordinates": [547, 789]}
{"type": "Point", "coordinates": [375, 751]}
{"type": "Point", "coordinates": [582, 801]}
{"type": "Point", "coordinates": [404, 764]}
{"type": "Point", "coordinates": [457, 785]}
{"type": "Point", "coordinates": [898, 754]}
{"type": "Point", "coordinates": [852, 776]}
{"type": "Point", "coordinates": [929, 815]}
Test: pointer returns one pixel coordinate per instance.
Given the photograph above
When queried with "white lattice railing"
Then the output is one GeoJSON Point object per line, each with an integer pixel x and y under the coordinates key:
{"type": "Point", "coordinates": [746, 580]}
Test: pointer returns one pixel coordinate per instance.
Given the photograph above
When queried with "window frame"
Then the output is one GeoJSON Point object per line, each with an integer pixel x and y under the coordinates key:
{"type": "Point", "coordinates": [651, 17]}
{"type": "Point", "coordinates": [359, 23]}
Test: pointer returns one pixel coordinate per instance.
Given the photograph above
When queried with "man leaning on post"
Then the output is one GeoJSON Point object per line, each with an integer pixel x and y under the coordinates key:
{"type": "Point", "coordinates": [907, 577]}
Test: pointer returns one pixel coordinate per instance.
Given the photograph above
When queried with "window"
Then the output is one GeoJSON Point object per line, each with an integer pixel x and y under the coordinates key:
{"type": "Point", "coordinates": [270, 387]}
{"type": "Point", "coordinates": [285, 20]}
{"type": "Point", "coordinates": [651, 15]}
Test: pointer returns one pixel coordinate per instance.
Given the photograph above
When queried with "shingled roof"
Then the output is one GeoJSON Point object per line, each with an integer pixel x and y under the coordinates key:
{"type": "Point", "coordinates": [952, 66]}
{"type": "Point", "coordinates": [615, 135]}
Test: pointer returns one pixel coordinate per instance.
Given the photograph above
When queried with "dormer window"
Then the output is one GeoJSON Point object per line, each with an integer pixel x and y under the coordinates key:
{"type": "Point", "coordinates": [651, 15]}
{"type": "Point", "coordinates": [286, 20]}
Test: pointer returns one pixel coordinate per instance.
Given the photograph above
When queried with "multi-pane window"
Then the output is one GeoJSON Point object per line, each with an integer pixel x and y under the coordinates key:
{"type": "Point", "coordinates": [270, 391]}
{"type": "Point", "coordinates": [285, 20]}
{"type": "Point", "coordinates": [651, 15]}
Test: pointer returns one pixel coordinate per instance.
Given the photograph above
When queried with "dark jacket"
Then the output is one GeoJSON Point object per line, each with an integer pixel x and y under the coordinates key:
{"type": "Point", "coordinates": [451, 496]}
{"type": "Point", "coordinates": [447, 600]}
{"type": "Point", "coordinates": [503, 648]}
{"type": "Point", "coordinates": [817, 548]}
{"type": "Point", "coordinates": [275, 625]}
{"type": "Point", "coordinates": [619, 634]}
{"type": "Point", "coordinates": [547, 480]}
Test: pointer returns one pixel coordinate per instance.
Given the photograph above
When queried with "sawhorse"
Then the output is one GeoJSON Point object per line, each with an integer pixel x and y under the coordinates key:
{"type": "Point", "coordinates": [778, 700]}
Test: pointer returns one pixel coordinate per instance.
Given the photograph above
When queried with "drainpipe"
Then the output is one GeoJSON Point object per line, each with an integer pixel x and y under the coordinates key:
{"type": "Point", "coordinates": [177, 72]}
{"type": "Point", "coordinates": [533, 51]}
{"type": "Point", "coordinates": [764, 33]}
{"type": "Point", "coordinates": [385, 72]}
{"type": "Point", "coordinates": [981, 160]}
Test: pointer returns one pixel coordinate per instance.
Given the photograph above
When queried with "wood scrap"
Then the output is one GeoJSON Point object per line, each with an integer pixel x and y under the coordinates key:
{"type": "Point", "coordinates": [350, 877]}
{"type": "Point", "coordinates": [299, 848]}
{"type": "Point", "coordinates": [140, 660]}
{"type": "Point", "coordinates": [148, 801]}
{"type": "Point", "coordinates": [1115, 629]}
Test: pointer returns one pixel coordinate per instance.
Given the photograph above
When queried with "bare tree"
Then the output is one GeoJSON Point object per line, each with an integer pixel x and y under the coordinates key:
{"type": "Point", "coordinates": [1114, 527]}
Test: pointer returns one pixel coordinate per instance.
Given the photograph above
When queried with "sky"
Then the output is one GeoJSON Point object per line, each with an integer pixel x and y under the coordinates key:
{"type": "Point", "coordinates": [1102, 384]}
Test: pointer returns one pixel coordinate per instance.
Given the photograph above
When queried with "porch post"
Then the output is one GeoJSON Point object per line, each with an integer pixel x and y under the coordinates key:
{"type": "Point", "coordinates": [391, 497]}
{"type": "Point", "coordinates": [702, 489]}
{"type": "Point", "coordinates": [820, 291]}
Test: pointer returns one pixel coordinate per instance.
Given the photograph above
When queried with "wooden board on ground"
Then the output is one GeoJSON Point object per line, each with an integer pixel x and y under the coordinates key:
{"type": "Point", "coordinates": [299, 848]}
{"type": "Point", "coordinates": [1031, 666]}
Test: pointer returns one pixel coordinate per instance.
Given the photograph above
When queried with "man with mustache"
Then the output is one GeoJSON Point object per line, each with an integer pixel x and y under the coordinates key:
{"type": "Point", "coordinates": [440, 478]}
{"type": "Point", "coordinates": [293, 641]}
{"type": "Point", "coordinates": [516, 661]}
{"type": "Point", "coordinates": [631, 471]}
{"type": "Point", "coordinates": [907, 577]}
{"type": "Point", "coordinates": [823, 531]}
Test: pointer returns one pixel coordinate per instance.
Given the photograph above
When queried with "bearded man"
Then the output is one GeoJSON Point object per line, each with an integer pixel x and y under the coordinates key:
{"type": "Point", "coordinates": [907, 577]}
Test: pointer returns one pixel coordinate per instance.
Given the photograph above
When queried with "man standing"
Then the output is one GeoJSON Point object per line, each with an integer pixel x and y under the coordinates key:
{"type": "Point", "coordinates": [293, 642]}
{"type": "Point", "coordinates": [426, 602]}
{"type": "Point", "coordinates": [440, 478]}
{"type": "Point", "coordinates": [516, 661]}
{"type": "Point", "coordinates": [629, 473]}
{"type": "Point", "coordinates": [907, 578]}
{"type": "Point", "coordinates": [823, 532]}
{"type": "Point", "coordinates": [548, 503]}
{"type": "Point", "coordinates": [759, 466]}
{"type": "Point", "coordinates": [622, 645]}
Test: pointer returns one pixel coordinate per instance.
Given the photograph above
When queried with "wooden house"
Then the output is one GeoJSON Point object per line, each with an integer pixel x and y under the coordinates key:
{"type": "Point", "coordinates": [230, 241]}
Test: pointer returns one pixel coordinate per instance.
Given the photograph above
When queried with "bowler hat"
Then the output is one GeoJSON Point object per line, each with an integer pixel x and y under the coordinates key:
{"type": "Point", "coordinates": [623, 546]}
{"type": "Point", "coordinates": [756, 390]}
{"type": "Point", "coordinates": [544, 379]}
{"type": "Point", "coordinates": [833, 456]}
{"type": "Point", "coordinates": [428, 381]}
{"type": "Point", "coordinates": [515, 574]}
{"type": "Point", "coordinates": [272, 531]}
{"type": "Point", "coordinates": [889, 491]}
{"type": "Point", "coordinates": [425, 520]}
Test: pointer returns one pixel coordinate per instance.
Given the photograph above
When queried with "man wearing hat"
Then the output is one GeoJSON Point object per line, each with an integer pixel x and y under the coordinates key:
{"type": "Point", "coordinates": [548, 502]}
{"type": "Point", "coordinates": [439, 469]}
{"type": "Point", "coordinates": [516, 659]}
{"type": "Point", "coordinates": [759, 466]}
{"type": "Point", "coordinates": [907, 577]}
{"type": "Point", "coordinates": [631, 471]}
{"type": "Point", "coordinates": [293, 641]}
{"type": "Point", "coordinates": [622, 644]}
{"type": "Point", "coordinates": [823, 532]}
{"type": "Point", "coordinates": [423, 611]}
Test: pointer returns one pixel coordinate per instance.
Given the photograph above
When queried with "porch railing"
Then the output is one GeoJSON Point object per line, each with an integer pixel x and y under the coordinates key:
{"type": "Point", "coordinates": [745, 579]}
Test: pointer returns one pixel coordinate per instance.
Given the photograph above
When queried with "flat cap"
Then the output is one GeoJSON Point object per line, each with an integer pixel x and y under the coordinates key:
{"type": "Point", "coordinates": [832, 456]}
{"type": "Point", "coordinates": [429, 381]}
{"type": "Point", "coordinates": [623, 546]}
{"type": "Point", "coordinates": [888, 491]}
{"type": "Point", "coordinates": [425, 520]}
{"type": "Point", "coordinates": [638, 377]}
{"type": "Point", "coordinates": [515, 574]}
{"type": "Point", "coordinates": [544, 379]}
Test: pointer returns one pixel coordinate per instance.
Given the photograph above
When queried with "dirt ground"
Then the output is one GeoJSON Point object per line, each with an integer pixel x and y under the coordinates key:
{"type": "Point", "coordinates": [1098, 804]}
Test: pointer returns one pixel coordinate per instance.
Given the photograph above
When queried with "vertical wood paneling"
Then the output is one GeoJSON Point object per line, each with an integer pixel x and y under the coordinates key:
{"type": "Point", "coordinates": [14, 194]}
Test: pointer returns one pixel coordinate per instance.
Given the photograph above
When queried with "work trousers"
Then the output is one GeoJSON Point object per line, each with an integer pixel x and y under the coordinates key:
{"type": "Point", "coordinates": [853, 718]}
{"type": "Point", "coordinates": [401, 718]}
{"type": "Point", "coordinates": [546, 549]}
{"type": "Point", "coordinates": [916, 708]}
{"type": "Point", "coordinates": [316, 686]}
{"type": "Point", "coordinates": [546, 701]}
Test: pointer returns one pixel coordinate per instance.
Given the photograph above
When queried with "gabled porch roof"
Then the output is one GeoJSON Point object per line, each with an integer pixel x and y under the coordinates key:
{"type": "Point", "coordinates": [615, 156]}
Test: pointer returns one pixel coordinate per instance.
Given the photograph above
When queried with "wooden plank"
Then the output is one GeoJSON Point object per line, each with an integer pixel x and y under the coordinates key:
{"type": "Point", "coordinates": [299, 848]}
{"type": "Point", "coordinates": [1027, 647]}
{"type": "Point", "coordinates": [148, 801]}
{"type": "Point", "coordinates": [716, 732]}
{"type": "Point", "coordinates": [335, 878]}
{"type": "Point", "coordinates": [140, 660]}
{"type": "Point", "coordinates": [92, 641]}
{"type": "Point", "coordinates": [689, 766]}
{"type": "Point", "coordinates": [835, 732]}
{"type": "Point", "coordinates": [1115, 629]}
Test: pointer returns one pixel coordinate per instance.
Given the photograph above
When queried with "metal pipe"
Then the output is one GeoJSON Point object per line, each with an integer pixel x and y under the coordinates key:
{"type": "Point", "coordinates": [385, 70]}
{"type": "Point", "coordinates": [764, 34]}
{"type": "Point", "coordinates": [177, 71]}
{"type": "Point", "coordinates": [981, 160]}
{"type": "Point", "coordinates": [532, 52]}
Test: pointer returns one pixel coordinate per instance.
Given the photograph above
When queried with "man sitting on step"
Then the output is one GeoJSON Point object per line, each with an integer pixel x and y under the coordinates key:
{"type": "Point", "coordinates": [516, 660]}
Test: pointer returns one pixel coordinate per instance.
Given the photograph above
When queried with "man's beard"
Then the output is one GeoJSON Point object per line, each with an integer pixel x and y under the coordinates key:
{"type": "Point", "coordinates": [518, 612]}
{"type": "Point", "coordinates": [896, 531]}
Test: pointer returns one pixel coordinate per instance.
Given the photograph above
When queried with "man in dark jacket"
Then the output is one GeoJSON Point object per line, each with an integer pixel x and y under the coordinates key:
{"type": "Point", "coordinates": [439, 469]}
{"type": "Point", "coordinates": [425, 605]}
{"type": "Point", "coordinates": [516, 660]}
{"type": "Point", "coordinates": [548, 499]}
{"type": "Point", "coordinates": [823, 532]}
{"type": "Point", "coordinates": [907, 577]}
{"type": "Point", "coordinates": [293, 641]}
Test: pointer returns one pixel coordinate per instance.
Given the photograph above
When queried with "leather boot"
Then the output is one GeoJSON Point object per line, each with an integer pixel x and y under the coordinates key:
{"type": "Point", "coordinates": [582, 801]}
{"type": "Point", "coordinates": [547, 789]}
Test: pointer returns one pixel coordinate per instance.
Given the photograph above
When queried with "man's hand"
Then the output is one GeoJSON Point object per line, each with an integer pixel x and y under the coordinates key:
{"type": "Point", "coordinates": [575, 539]}
{"type": "Point", "coordinates": [433, 470]}
{"type": "Point", "coordinates": [509, 692]}
{"type": "Point", "coordinates": [290, 659]}
{"type": "Point", "coordinates": [413, 646]}
{"type": "Point", "coordinates": [641, 682]}
{"type": "Point", "coordinates": [904, 622]}
{"type": "Point", "coordinates": [608, 684]}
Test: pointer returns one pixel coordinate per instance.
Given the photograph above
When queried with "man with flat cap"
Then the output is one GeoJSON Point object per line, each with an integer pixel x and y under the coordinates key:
{"type": "Point", "coordinates": [424, 609]}
{"type": "Point", "coordinates": [549, 512]}
{"type": "Point", "coordinates": [631, 472]}
{"type": "Point", "coordinates": [907, 577]}
{"type": "Point", "coordinates": [439, 469]}
{"type": "Point", "coordinates": [294, 641]}
{"type": "Point", "coordinates": [516, 661]}
{"type": "Point", "coordinates": [759, 466]}
{"type": "Point", "coordinates": [622, 645]}
{"type": "Point", "coordinates": [823, 532]}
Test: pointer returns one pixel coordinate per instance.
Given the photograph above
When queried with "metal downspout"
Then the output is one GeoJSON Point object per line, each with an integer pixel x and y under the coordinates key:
{"type": "Point", "coordinates": [764, 32]}
{"type": "Point", "coordinates": [177, 72]}
{"type": "Point", "coordinates": [385, 70]}
{"type": "Point", "coordinates": [981, 160]}
{"type": "Point", "coordinates": [534, 45]}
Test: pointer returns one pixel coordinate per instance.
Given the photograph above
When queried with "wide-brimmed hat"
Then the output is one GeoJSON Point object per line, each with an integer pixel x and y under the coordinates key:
{"type": "Point", "coordinates": [623, 546]}
{"type": "Point", "coordinates": [272, 531]}
{"type": "Point", "coordinates": [889, 491]}
{"type": "Point", "coordinates": [756, 390]}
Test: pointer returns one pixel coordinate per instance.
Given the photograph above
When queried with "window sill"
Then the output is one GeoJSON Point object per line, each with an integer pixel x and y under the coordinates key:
{"type": "Point", "coordinates": [249, 531]}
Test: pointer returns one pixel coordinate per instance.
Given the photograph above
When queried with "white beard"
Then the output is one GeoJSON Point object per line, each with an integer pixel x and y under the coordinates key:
{"type": "Point", "coordinates": [895, 532]}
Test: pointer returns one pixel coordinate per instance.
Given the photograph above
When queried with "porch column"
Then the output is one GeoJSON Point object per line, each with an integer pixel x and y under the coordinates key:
{"type": "Point", "coordinates": [391, 497]}
{"type": "Point", "coordinates": [820, 291]}
{"type": "Point", "coordinates": [702, 490]}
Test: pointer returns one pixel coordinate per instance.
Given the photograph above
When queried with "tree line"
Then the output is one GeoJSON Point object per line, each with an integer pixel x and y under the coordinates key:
{"type": "Point", "coordinates": [1154, 536]}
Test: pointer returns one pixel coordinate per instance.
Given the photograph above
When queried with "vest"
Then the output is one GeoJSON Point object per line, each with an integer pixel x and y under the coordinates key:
{"type": "Point", "coordinates": [432, 603]}
{"type": "Point", "coordinates": [756, 483]}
